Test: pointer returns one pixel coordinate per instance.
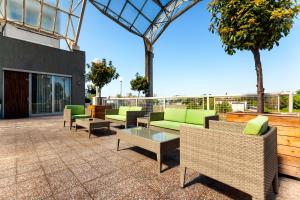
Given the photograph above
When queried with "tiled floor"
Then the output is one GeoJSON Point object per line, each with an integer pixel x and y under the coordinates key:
{"type": "Point", "coordinates": [39, 159]}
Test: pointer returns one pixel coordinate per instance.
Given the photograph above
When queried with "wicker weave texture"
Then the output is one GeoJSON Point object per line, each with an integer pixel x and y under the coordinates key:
{"type": "Point", "coordinates": [248, 163]}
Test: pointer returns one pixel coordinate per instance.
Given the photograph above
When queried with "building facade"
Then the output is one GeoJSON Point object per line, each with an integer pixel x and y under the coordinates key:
{"type": "Point", "coordinates": [36, 76]}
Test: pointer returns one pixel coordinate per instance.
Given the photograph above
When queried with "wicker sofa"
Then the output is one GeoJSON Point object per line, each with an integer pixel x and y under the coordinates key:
{"type": "Point", "coordinates": [73, 112]}
{"type": "Point", "coordinates": [173, 118]}
{"type": "Point", "coordinates": [125, 115]}
{"type": "Point", "coordinates": [222, 152]}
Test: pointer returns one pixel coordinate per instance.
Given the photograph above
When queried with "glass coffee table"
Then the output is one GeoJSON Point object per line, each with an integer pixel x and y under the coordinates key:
{"type": "Point", "coordinates": [92, 123]}
{"type": "Point", "coordinates": [158, 142]}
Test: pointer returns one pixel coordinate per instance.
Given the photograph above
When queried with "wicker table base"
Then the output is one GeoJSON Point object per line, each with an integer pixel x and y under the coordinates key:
{"type": "Point", "coordinates": [160, 143]}
{"type": "Point", "coordinates": [92, 123]}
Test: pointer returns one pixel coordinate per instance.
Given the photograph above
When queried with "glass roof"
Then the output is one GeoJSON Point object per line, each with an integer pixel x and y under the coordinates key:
{"type": "Point", "coordinates": [145, 18]}
{"type": "Point", "coordinates": [59, 18]}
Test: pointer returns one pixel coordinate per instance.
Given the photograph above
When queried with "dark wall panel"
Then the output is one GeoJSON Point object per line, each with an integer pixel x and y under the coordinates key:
{"type": "Point", "coordinates": [18, 54]}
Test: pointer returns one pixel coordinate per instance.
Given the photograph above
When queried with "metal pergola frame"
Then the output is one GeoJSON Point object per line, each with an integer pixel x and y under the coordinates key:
{"type": "Point", "coordinates": [169, 10]}
{"type": "Point", "coordinates": [75, 11]}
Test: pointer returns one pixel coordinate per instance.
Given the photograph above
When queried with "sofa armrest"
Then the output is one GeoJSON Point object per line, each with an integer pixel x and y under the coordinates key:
{"type": "Point", "coordinates": [131, 117]}
{"type": "Point", "coordinates": [67, 115]}
{"type": "Point", "coordinates": [111, 111]}
{"type": "Point", "coordinates": [208, 118]}
{"type": "Point", "coordinates": [233, 127]}
{"type": "Point", "coordinates": [88, 111]}
{"type": "Point", "coordinates": [156, 116]}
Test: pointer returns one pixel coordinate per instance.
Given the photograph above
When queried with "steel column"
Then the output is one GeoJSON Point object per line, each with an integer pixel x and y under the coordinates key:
{"type": "Point", "coordinates": [149, 66]}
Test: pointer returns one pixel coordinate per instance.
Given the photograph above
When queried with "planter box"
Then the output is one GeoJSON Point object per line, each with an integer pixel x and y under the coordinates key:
{"type": "Point", "coordinates": [99, 111]}
{"type": "Point", "coordinates": [288, 139]}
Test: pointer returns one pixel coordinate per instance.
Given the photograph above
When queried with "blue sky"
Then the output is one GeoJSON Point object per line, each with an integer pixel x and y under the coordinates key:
{"type": "Point", "coordinates": [188, 59]}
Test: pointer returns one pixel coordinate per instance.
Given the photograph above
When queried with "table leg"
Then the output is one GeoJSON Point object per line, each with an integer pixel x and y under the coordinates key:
{"type": "Point", "coordinates": [118, 144]}
{"type": "Point", "coordinates": [90, 131]}
{"type": "Point", "coordinates": [76, 127]}
{"type": "Point", "coordinates": [159, 163]}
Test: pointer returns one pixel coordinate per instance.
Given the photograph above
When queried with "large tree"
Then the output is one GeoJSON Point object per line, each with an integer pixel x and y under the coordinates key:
{"type": "Point", "coordinates": [101, 73]}
{"type": "Point", "coordinates": [252, 25]}
{"type": "Point", "coordinates": [139, 84]}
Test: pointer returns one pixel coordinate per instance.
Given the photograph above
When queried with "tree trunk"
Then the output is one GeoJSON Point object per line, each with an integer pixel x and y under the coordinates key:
{"type": "Point", "coordinates": [259, 76]}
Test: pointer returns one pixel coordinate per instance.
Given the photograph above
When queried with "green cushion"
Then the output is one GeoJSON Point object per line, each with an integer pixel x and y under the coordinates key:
{"type": "Point", "coordinates": [76, 109]}
{"type": "Point", "coordinates": [257, 126]}
{"type": "Point", "coordinates": [80, 116]}
{"type": "Point", "coordinates": [175, 115]}
{"type": "Point", "coordinates": [136, 108]}
{"type": "Point", "coordinates": [116, 117]}
{"type": "Point", "coordinates": [194, 116]}
{"type": "Point", "coordinates": [123, 110]}
{"type": "Point", "coordinates": [167, 124]}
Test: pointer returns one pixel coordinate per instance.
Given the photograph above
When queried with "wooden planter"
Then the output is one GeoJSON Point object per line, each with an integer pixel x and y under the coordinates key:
{"type": "Point", "coordinates": [288, 139]}
{"type": "Point", "coordinates": [99, 111]}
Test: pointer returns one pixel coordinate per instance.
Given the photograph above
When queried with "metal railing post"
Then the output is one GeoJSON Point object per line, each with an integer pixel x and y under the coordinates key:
{"type": "Point", "coordinates": [291, 102]}
{"type": "Point", "coordinates": [164, 104]}
{"type": "Point", "coordinates": [207, 106]}
{"type": "Point", "coordinates": [136, 102]}
{"type": "Point", "coordinates": [278, 103]}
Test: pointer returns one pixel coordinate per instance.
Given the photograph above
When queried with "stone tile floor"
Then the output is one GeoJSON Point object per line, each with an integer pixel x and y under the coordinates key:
{"type": "Point", "coordinates": [39, 159]}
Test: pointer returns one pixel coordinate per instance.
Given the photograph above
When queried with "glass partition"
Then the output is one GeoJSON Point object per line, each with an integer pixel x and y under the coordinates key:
{"type": "Point", "coordinates": [41, 94]}
{"type": "Point", "coordinates": [62, 93]}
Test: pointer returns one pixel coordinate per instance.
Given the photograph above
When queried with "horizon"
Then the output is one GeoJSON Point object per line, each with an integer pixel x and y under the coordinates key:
{"type": "Point", "coordinates": [200, 54]}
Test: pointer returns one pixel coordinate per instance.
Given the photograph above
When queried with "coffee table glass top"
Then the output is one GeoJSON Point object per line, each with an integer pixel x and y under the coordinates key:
{"type": "Point", "coordinates": [147, 133]}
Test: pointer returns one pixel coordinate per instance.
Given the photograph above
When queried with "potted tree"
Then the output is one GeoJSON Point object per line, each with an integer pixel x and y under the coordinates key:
{"type": "Point", "coordinates": [255, 26]}
{"type": "Point", "coordinates": [100, 74]}
{"type": "Point", "coordinates": [140, 84]}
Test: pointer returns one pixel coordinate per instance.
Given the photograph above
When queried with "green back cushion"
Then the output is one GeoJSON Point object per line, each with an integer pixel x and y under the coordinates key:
{"type": "Point", "coordinates": [135, 108]}
{"type": "Point", "coordinates": [257, 126]}
{"type": "Point", "coordinates": [123, 110]}
{"type": "Point", "coordinates": [198, 116]}
{"type": "Point", "coordinates": [76, 109]}
{"type": "Point", "coordinates": [175, 115]}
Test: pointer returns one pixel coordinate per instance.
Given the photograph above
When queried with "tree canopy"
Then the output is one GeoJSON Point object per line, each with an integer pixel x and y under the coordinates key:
{"type": "Point", "coordinates": [139, 84]}
{"type": "Point", "coordinates": [252, 24]}
{"type": "Point", "coordinates": [101, 74]}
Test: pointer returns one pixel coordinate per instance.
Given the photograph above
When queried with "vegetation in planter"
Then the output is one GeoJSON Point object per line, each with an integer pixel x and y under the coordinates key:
{"type": "Point", "coordinates": [140, 84]}
{"type": "Point", "coordinates": [87, 100]}
{"type": "Point", "coordinates": [101, 73]}
{"type": "Point", "coordinates": [252, 26]}
{"type": "Point", "coordinates": [91, 89]}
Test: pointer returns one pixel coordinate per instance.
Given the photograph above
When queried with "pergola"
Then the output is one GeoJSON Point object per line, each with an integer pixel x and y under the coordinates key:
{"type": "Point", "coordinates": [62, 19]}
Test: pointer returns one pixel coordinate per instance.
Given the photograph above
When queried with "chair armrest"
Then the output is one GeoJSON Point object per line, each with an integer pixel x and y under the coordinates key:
{"type": "Point", "coordinates": [131, 117]}
{"type": "Point", "coordinates": [67, 115]}
{"type": "Point", "coordinates": [156, 116]}
{"type": "Point", "coordinates": [208, 118]}
{"type": "Point", "coordinates": [111, 111]}
{"type": "Point", "coordinates": [233, 127]}
{"type": "Point", "coordinates": [88, 112]}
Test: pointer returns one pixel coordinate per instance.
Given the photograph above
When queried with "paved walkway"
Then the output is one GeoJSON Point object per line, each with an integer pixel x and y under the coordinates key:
{"type": "Point", "coordinates": [39, 159]}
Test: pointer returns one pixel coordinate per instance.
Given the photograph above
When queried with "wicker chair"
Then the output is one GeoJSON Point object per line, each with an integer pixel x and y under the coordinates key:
{"type": "Point", "coordinates": [222, 152]}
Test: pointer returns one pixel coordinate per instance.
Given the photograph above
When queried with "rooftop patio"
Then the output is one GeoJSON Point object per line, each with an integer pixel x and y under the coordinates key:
{"type": "Point", "coordinates": [42, 160]}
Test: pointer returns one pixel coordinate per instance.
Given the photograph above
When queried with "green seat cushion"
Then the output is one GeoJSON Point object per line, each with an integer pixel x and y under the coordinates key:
{"type": "Point", "coordinates": [194, 116]}
{"type": "Point", "coordinates": [123, 110]}
{"type": "Point", "coordinates": [116, 117]}
{"type": "Point", "coordinates": [167, 124]}
{"type": "Point", "coordinates": [76, 109]}
{"type": "Point", "coordinates": [80, 116]}
{"type": "Point", "coordinates": [175, 115]}
{"type": "Point", "coordinates": [136, 108]}
{"type": "Point", "coordinates": [257, 126]}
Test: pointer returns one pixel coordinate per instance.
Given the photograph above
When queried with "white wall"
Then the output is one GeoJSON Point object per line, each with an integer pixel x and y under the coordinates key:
{"type": "Point", "coordinates": [14, 32]}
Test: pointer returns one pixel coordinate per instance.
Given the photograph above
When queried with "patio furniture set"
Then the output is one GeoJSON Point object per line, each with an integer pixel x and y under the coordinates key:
{"type": "Point", "coordinates": [243, 156]}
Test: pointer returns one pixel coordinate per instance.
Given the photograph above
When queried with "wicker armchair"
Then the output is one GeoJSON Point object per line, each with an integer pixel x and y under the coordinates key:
{"type": "Point", "coordinates": [127, 120]}
{"type": "Point", "coordinates": [73, 112]}
{"type": "Point", "coordinates": [248, 163]}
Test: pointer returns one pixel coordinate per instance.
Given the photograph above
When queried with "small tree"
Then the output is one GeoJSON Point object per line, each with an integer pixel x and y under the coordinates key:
{"type": "Point", "coordinates": [252, 25]}
{"type": "Point", "coordinates": [91, 89]}
{"type": "Point", "coordinates": [139, 84]}
{"type": "Point", "coordinates": [101, 74]}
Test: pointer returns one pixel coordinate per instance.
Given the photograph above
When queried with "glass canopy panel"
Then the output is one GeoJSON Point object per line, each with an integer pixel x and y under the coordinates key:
{"type": "Point", "coordinates": [146, 18]}
{"type": "Point", "coordinates": [58, 18]}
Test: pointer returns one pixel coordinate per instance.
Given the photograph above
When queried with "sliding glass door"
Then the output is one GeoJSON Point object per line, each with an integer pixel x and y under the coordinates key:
{"type": "Point", "coordinates": [49, 93]}
{"type": "Point", "coordinates": [62, 92]}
